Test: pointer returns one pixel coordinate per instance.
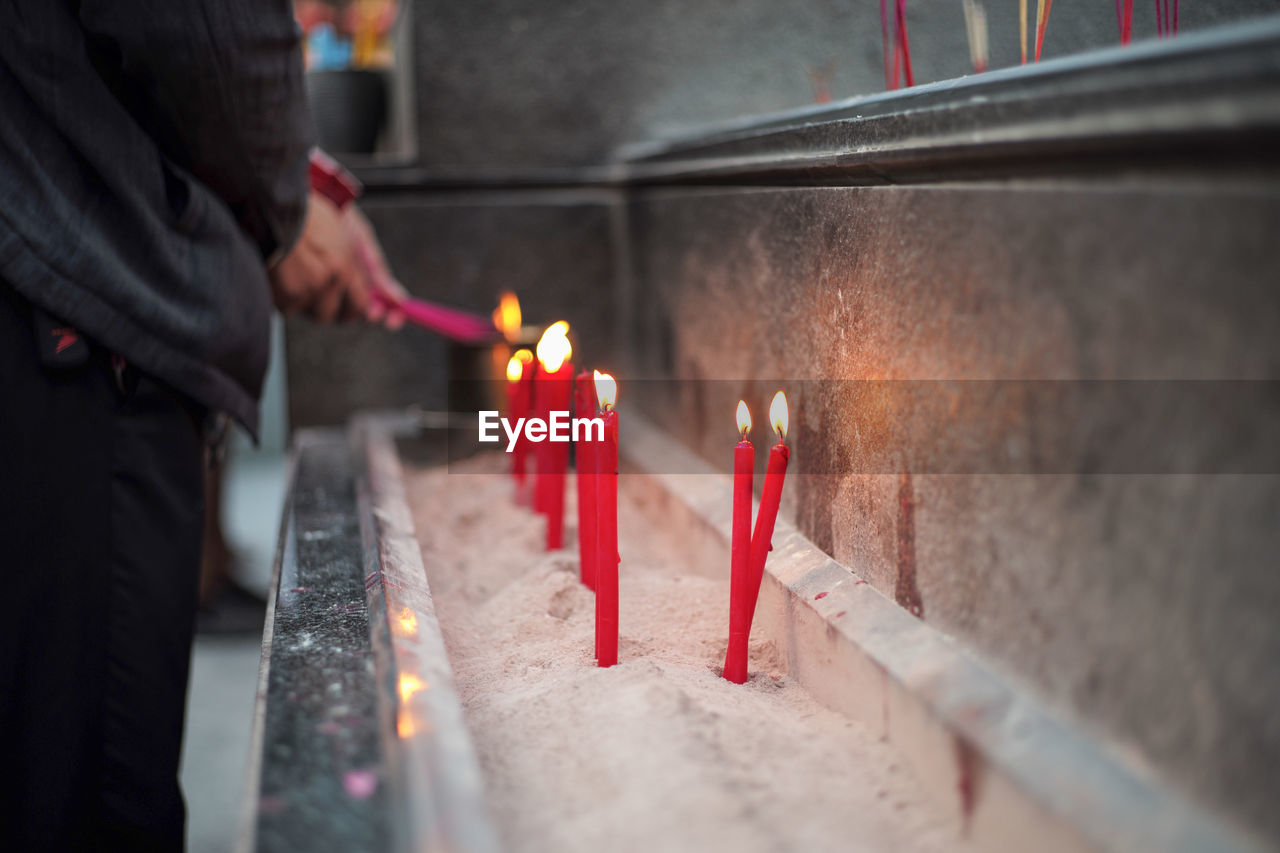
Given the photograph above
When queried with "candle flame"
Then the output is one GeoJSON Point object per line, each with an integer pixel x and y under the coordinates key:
{"type": "Point", "coordinates": [507, 316]}
{"type": "Point", "coordinates": [408, 621]}
{"type": "Point", "coordinates": [554, 348]}
{"type": "Point", "coordinates": [606, 390]}
{"type": "Point", "coordinates": [780, 415]}
{"type": "Point", "coordinates": [405, 727]}
{"type": "Point", "coordinates": [516, 368]}
{"type": "Point", "coordinates": [744, 418]}
{"type": "Point", "coordinates": [409, 685]}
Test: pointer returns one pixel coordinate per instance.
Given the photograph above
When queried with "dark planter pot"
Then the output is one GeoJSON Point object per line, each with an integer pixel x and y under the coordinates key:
{"type": "Point", "coordinates": [348, 107]}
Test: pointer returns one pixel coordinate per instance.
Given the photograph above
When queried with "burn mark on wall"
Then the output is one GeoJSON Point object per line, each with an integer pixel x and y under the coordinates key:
{"type": "Point", "coordinates": [906, 590]}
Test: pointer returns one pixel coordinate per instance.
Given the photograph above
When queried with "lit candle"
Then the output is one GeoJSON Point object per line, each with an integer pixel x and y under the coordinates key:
{"type": "Point", "coordinates": [538, 409]}
{"type": "Point", "coordinates": [506, 317]}
{"type": "Point", "coordinates": [607, 514]}
{"type": "Point", "coordinates": [770, 498]}
{"type": "Point", "coordinates": [744, 456]}
{"type": "Point", "coordinates": [519, 385]}
{"type": "Point", "coordinates": [555, 380]}
{"type": "Point", "coordinates": [584, 405]}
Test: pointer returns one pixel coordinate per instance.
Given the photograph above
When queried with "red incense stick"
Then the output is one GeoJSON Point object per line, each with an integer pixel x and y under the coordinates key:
{"type": "Point", "coordinates": [890, 81]}
{"type": "Point", "coordinates": [1042, 21]}
{"type": "Point", "coordinates": [901, 17]}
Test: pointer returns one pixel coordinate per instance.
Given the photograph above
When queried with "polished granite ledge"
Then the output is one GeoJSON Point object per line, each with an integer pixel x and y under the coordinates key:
{"type": "Point", "coordinates": [359, 743]}
{"type": "Point", "coordinates": [319, 780]}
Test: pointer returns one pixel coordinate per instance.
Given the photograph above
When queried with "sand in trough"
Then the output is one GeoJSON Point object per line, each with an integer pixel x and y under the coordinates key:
{"type": "Point", "coordinates": [658, 753]}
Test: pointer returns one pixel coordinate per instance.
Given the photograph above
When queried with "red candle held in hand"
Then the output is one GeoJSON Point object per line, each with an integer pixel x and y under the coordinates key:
{"type": "Point", "coordinates": [584, 406]}
{"type": "Point", "coordinates": [744, 456]}
{"type": "Point", "coordinates": [607, 525]}
{"type": "Point", "coordinates": [770, 498]}
{"type": "Point", "coordinates": [519, 385]}
{"type": "Point", "coordinates": [555, 381]}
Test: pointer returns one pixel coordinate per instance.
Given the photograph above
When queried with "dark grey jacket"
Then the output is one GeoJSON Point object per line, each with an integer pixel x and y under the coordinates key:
{"type": "Point", "coordinates": [153, 155]}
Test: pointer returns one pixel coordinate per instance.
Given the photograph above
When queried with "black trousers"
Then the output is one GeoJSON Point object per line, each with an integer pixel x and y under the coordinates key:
{"type": "Point", "coordinates": [101, 501]}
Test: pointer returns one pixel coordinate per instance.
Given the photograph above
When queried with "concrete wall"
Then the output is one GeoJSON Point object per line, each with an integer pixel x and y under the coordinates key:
{"type": "Point", "coordinates": [1140, 604]}
{"type": "Point", "coordinates": [529, 84]}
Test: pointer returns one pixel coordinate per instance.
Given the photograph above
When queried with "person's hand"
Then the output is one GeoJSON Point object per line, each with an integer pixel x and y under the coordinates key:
{"type": "Point", "coordinates": [321, 276]}
{"type": "Point", "coordinates": [384, 291]}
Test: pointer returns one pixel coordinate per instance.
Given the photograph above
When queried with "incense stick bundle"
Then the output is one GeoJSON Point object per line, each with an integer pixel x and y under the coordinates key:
{"type": "Point", "coordinates": [1126, 20]}
{"type": "Point", "coordinates": [975, 24]}
{"type": "Point", "coordinates": [890, 78]}
{"type": "Point", "coordinates": [1022, 27]}
{"type": "Point", "coordinates": [901, 21]}
{"type": "Point", "coordinates": [1166, 22]}
{"type": "Point", "coordinates": [1042, 21]}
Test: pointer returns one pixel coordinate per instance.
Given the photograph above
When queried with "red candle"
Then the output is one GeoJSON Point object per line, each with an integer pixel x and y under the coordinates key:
{"type": "Point", "coordinates": [584, 405]}
{"type": "Point", "coordinates": [538, 409]}
{"type": "Point", "coordinates": [519, 387]}
{"type": "Point", "coordinates": [770, 498]}
{"type": "Point", "coordinates": [744, 456]}
{"type": "Point", "coordinates": [554, 391]}
{"type": "Point", "coordinates": [607, 525]}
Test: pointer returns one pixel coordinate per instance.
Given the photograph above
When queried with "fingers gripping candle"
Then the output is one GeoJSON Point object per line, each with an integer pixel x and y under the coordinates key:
{"type": "Point", "coordinates": [607, 526]}
{"type": "Point", "coordinates": [585, 407]}
{"type": "Point", "coordinates": [770, 499]}
{"type": "Point", "coordinates": [744, 455]}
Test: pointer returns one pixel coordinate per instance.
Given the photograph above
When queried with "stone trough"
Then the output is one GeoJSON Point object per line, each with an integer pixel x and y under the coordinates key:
{"type": "Point", "coordinates": [362, 741]}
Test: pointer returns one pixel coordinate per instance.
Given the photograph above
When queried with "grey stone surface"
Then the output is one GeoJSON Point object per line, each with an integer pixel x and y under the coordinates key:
{"type": "Point", "coordinates": [551, 247]}
{"type": "Point", "coordinates": [1142, 605]}
{"type": "Point", "coordinates": [533, 84]}
{"type": "Point", "coordinates": [321, 774]}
